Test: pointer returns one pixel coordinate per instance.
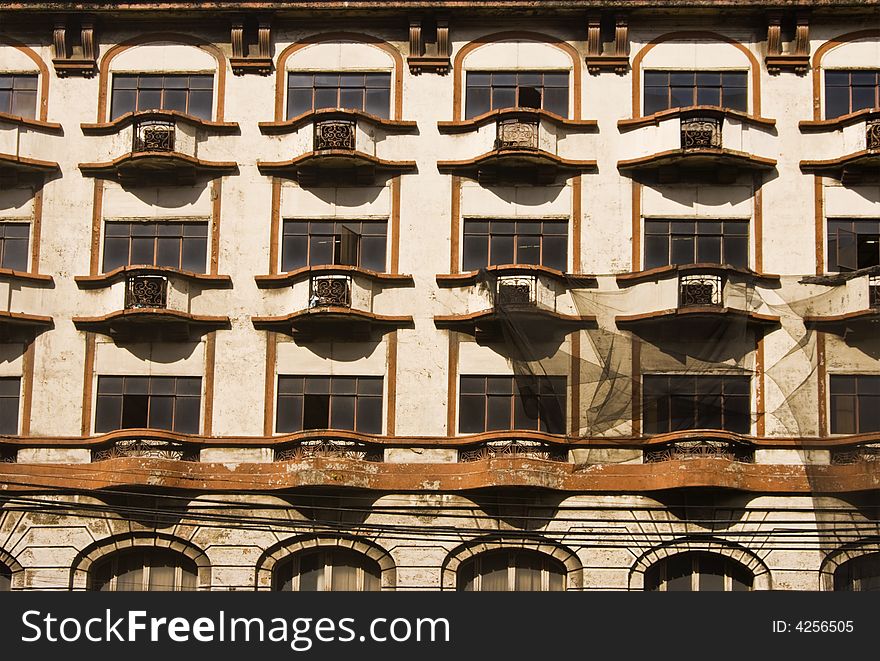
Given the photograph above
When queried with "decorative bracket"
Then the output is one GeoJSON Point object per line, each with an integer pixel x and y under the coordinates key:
{"type": "Point", "coordinates": [74, 50]}
{"type": "Point", "coordinates": [429, 46]}
{"type": "Point", "coordinates": [797, 57]}
{"type": "Point", "coordinates": [251, 47]}
{"type": "Point", "coordinates": [616, 56]}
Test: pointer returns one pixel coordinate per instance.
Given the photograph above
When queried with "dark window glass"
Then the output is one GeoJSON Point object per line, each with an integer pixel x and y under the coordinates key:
{"type": "Point", "coordinates": [14, 246]}
{"type": "Point", "coordinates": [329, 402]}
{"type": "Point", "coordinates": [164, 243]}
{"type": "Point", "coordinates": [10, 387]}
{"type": "Point", "coordinates": [677, 402]}
{"type": "Point", "coordinates": [490, 403]}
{"type": "Point", "coordinates": [156, 402]}
{"type": "Point", "coordinates": [855, 403]}
{"type": "Point", "coordinates": [144, 570]}
{"type": "Point", "coordinates": [853, 244]}
{"type": "Point", "coordinates": [692, 242]}
{"type": "Point", "coordinates": [368, 92]}
{"type": "Point", "coordinates": [5, 578]}
{"type": "Point", "coordinates": [351, 242]}
{"type": "Point", "coordinates": [18, 94]}
{"type": "Point", "coordinates": [493, 242]}
{"type": "Point", "coordinates": [698, 572]}
{"type": "Point", "coordinates": [847, 91]}
{"type": "Point", "coordinates": [861, 574]}
{"type": "Point", "coordinates": [521, 89]}
{"type": "Point", "coordinates": [681, 89]}
{"type": "Point", "coordinates": [331, 570]}
{"type": "Point", "coordinates": [511, 571]}
{"type": "Point", "coordinates": [189, 94]}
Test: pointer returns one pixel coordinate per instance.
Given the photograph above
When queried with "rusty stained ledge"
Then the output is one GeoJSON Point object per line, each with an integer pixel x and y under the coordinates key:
{"type": "Point", "coordinates": [121, 273]}
{"type": "Point", "coordinates": [467, 125]}
{"type": "Point", "coordinates": [836, 124]}
{"type": "Point", "coordinates": [488, 325]}
{"type": "Point", "coordinates": [859, 322]}
{"type": "Point", "coordinates": [27, 278]}
{"type": "Point", "coordinates": [502, 472]}
{"type": "Point", "coordinates": [21, 165]}
{"type": "Point", "coordinates": [573, 280]}
{"type": "Point", "coordinates": [317, 323]}
{"type": "Point", "coordinates": [696, 314]}
{"type": "Point", "coordinates": [32, 124]}
{"type": "Point", "coordinates": [706, 157]}
{"type": "Point", "coordinates": [515, 158]}
{"type": "Point", "coordinates": [625, 125]}
{"type": "Point", "coordinates": [21, 325]}
{"type": "Point", "coordinates": [116, 125]}
{"type": "Point", "coordinates": [278, 280]}
{"type": "Point", "coordinates": [333, 159]}
{"type": "Point", "coordinates": [136, 165]}
{"type": "Point", "coordinates": [860, 162]}
{"type": "Point", "coordinates": [313, 116]}
{"type": "Point", "coordinates": [151, 323]}
{"type": "Point", "coordinates": [673, 270]}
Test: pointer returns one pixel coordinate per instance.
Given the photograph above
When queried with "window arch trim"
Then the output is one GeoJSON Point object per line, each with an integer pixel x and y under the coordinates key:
{"type": "Point", "coordinates": [834, 560]}
{"type": "Point", "coordinates": [16, 579]}
{"type": "Point", "coordinates": [840, 40]}
{"type": "Point", "coordinates": [43, 76]}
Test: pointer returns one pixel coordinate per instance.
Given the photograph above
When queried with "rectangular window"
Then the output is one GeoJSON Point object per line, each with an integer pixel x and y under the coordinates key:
{"type": "Point", "coordinates": [677, 402]}
{"type": "Point", "coordinates": [176, 244]}
{"type": "Point", "coordinates": [368, 92]}
{"type": "Point", "coordinates": [855, 404]}
{"type": "Point", "coordinates": [489, 403]}
{"type": "Point", "coordinates": [849, 91]}
{"type": "Point", "coordinates": [14, 246]}
{"type": "Point", "coordinates": [189, 94]}
{"type": "Point", "coordinates": [493, 242]}
{"type": "Point", "coordinates": [853, 244]}
{"type": "Point", "coordinates": [154, 402]}
{"type": "Point", "coordinates": [319, 242]}
{"type": "Point", "coordinates": [487, 91]}
{"type": "Point", "coordinates": [10, 387]}
{"type": "Point", "coordinates": [329, 402]}
{"type": "Point", "coordinates": [18, 94]}
{"type": "Point", "coordinates": [682, 89]}
{"type": "Point", "coordinates": [696, 242]}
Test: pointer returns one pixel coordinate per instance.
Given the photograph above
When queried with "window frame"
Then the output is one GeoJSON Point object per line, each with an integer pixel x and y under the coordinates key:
{"type": "Point", "coordinates": [157, 226]}
{"type": "Point", "coordinates": [670, 234]}
{"type": "Point", "coordinates": [288, 106]}
{"type": "Point", "coordinates": [466, 87]}
{"type": "Point", "coordinates": [849, 71]}
{"type": "Point", "coordinates": [466, 221]}
{"type": "Point", "coordinates": [561, 396]}
{"type": "Point", "coordinates": [695, 408]}
{"type": "Point", "coordinates": [695, 89]}
{"type": "Point", "coordinates": [162, 91]}
{"type": "Point", "coordinates": [5, 577]}
{"type": "Point", "coordinates": [696, 557]}
{"type": "Point", "coordinates": [36, 92]}
{"type": "Point", "coordinates": [330, 396]}
{"type": "Point", "coordinates": [832, 243]}
{"type": "Point", "coordinates": [294, 564]}
{"type": "Point", "coordinates": [856, 398]}
{"type": "Point", "coordinates": [338, 246]}
{"type": "Point", "coordinates": [547, 564]}
{"type": "Point", "coordinates": [9, 430]}
{"type": "Point", "coordinates": [150, 395]}
{"type": "Point", "coordinates": [146, 569]}
{"type": "Point", "coordinates": [844, 578]}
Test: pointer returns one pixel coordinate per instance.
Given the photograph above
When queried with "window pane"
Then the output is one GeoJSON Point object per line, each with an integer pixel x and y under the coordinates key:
{"type": "Point", "coordinates": [195, 254]}
{"type": "Point", "coordinates": [477, 101]}
{"type": "Point", "coordinates": [556, 100]}
{"type": "Point", "coordinates": [186, 415]}
{"type": "Point", "coordinates": [134, 411]}
{"type": "Point", "coordinates": [862, 97]}
{"type": "Point", "coordinates": [378, 102]}
{"type": "Point", "coordinates": [656, 251]}
{"type": "Point", "coordinates": [299, 101]}
{"type": "Point", "coordinates": [142, 250]}
{"type": "Point", "coordinates": [736, 99]}
{"type": "Point", "coordinates": [503, 97]}
{"type": "Point", "coordinates": [149, 99]}
{"type": "Point", "coordinates": [161, 412]}
{"type": "Point", "coordinates": [709, 96]}
{"type": "Point", "coordinates": [289, 415]}
{"type": "Point", "coordinates": [682, 250]}
{"type": "Point", "coordinates": [501, 250]}
{"type": "Point", "coordinates": [294, 251]}
{"type": "Point", "coordinates": [316, 411]}
{"type": "Point", "coordinates": [555, 252]}
{"type": "Point", "coordinates": [709, 249]}
{"type": "Point", "coordinates": [373, 253]}
{"type": "Point", "coordinates": [352, 98]}
{"type": "Point", "coordinates": [656, 99]}
{"type": "Point", "coordinates": [369, 415]}
{"type": "Point", "coordinates": [326, 97]}
{"type": "Point", "coordinates": [681, 97]}
{"type": "Point", "coordinates": [123, 102]}
{"type": "Point", "coordinates": [175, 100]}
{"type": "Point", "coordinates": [472, 413]}
{"type": "Point", "coordinates": [24, 104]}
{"type": "Point", "coordinates": [200, 103]}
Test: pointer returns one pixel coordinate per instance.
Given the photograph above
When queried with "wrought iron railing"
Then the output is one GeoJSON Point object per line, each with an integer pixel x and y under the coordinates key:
{"type": "Point", "coordinates": [867, 453]}
{"type": "Point", "coordinates": [8, 456]}
{"type": "Point", "coordinates": [516, 290]}
{"type": "Point", "coordinates": [146, 291]}
{"type": "Point", "coordinates": [146, 449]}
{"type": "Point", "coordinates": [516, 134]}
{"type": "Point", "coordinates": [874, 291]}
{"type": "Point", "coordinates": [701, 133]}
{"type": "Point", "coordinates": [332, 290]}
{"type": "Point", "coordinates": [334, 134]}
{"type": "Point", "coordinates": [683, 450]}
{"type": "Point", "coordinates": [330, 448]}
{"type": "Point", "coordinates": [872, 135]}
{"type": "Point", "coordinates": [153, 135]}
{"type": "Point", "coordinates": [513, 449]}
{"type": "Point", "coordinates": [700, 290]}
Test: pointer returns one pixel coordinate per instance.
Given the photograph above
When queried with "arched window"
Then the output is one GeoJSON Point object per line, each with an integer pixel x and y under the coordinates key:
{"type": "Point", "coordinates": [145, 569]}
{"type": "Point", "coordinates": [698, 572]}
{"type": "Point", "coordinates": [328, 570]}
{"type": "Point", "coordinates": [5, 578]}
{"type": "Point", "coordinates": [860, 574]}
{"type": "Point", "coordinates": [511, 571]}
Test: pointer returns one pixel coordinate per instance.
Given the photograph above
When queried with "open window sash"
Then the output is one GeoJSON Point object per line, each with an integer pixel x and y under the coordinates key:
{"type": "Point", "coordinates": [847, 250]}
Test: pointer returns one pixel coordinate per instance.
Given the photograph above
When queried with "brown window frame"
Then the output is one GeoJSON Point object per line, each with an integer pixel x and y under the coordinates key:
{"type": "Point", "coordinates": [649, 75]}
{"type": "Point", "coordinates": [830, 111]}
{"type": "Point", "coordinates": [294, 108]}
{"type": "Point", "coordinates": [553, 389]}
{"type": "Point", "coordinates": [473, 82]}
{"type": "Point", "coordinates": [286, 577]}
{"type": "Point", "coordinates": [698, 400]}
{"type": "Point", "coordinates": [470, 574]}
{"type": "Point", "coordinates": [657, 575]}
{"type": "Point", "coordinates": [189, 90]}
{"type": "Point", "coordinates": [10, 398]}
{"type": "Point", "coordinates": [128, 389]}
{"type": "Point", "coordinates": [470, 237]}
{"type": "Point", "coordinates": [21, 258]}
{"type": "Point", "coordinates": [25, 91]}
{"type": "Point", "coordinates": [864, 396]}
{"type": "Point", "coordinates": [291, 397]}
{"type": "Point", "coordinates": [185, 570]}
{"type": "Point", "coordinates": [183, 239]}
{"type": "Point", "coordinates": [673, 233]}
{"type": "Point", "coordinates": [348, 237]}
{"type": "Point", "coordinates": [850, 242]}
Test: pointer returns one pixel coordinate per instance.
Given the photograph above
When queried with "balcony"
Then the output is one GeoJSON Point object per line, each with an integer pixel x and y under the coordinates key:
{"type": "Point", "coordinates": [853, 310]}
{"type": "Point", "coordinates": [338, 147]}
{"type": "Point", "coordinates": [330, 448]}
{"type": "Point", "coordinates": [696, 143]}
{"type": "Point", "coordinates": [158, 147]}
{"type": "Point", "coordinates": [700, 449]}
{"type": "Point", "coordinates": [863, 453]}
{"type": "Point", "coordinates": [25, 148]}
{"type": "Point", "coordinates": [156, 305]}
{"type": "Point", "coordinates": [331, 303]}
{"type": "Point", "coordinates": [697, 299]}
{"type": "Point", "coordinates": [513, 449]}
{"type": "Point", "coordinates": [21, 296]}
{"type": "Point", "coordinates": [144, 448]}
{"type": "Point", "coordinates": [526, 147]}
{"type": "Point", "coordinates": [848, 147]}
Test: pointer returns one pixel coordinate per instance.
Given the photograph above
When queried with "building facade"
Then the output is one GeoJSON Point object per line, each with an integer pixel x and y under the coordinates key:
{"type": "Point", "coordinates": [468, 296]}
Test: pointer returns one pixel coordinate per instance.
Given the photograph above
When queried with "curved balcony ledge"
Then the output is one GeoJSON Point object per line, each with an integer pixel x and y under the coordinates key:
{"type": "Point", "coordinates": [829, 125]}
{"type": "Point", "coordinates": [572, 280]}
{"type": "Point", "coordinates": [20, 326]}
{"type": "Point", "coordinates": [26, 278]}
{"type": "Point", "coordinates": [673, 270]}
{"type": "Point", "coordinates": [633, 123]}
{"type": "Point", "coordinates": [102, 280]}
{"type": "Point", "coordinates": [859, 166]}
{"type": "Point", "coordinates": [696, 159]}
{"type": "Point", "coordinates": [533, 114]}
{"type": "Point", "coordinates": [173, 167]}
{"type": "Point", "coordinates": [860, 323]}
{"type": "Point", "coordinates": [695, 316]}
{"type": "Point", "coordinates": [501, 164]}
{"type": "Point", "coordinates": [151, 324]}
{"type": "Point", "coordinates": [328, 322]}
{"type": "Point", "coordinates": [488, 325]}
{"type": "Point", "coordinates": [109, 128]}
{"type": "Point", "coordinates": [32, 124]}
{"type": "Point", "coordinates": [13, 165]}
{"type": "Point", "coordinates": [360, 167]}
{"type": "Point", "coordinates": [295, 123]}
{"type": "Point", "coordinates": [279, 280]}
